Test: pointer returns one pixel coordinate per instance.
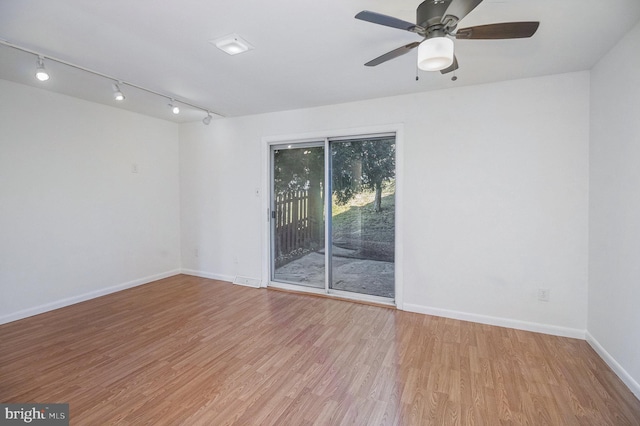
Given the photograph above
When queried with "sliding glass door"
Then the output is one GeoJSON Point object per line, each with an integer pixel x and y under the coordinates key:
{"type": "Point", "coordinates": [298, 225]}
{"type": "Point", "coordinates": [363, 216]}
{"type": "Point", "coordinates": [333, 217]}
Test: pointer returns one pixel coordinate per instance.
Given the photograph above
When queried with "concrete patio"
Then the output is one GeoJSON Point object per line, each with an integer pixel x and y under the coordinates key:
{"type": "Point", "coordinates": [371, 277]}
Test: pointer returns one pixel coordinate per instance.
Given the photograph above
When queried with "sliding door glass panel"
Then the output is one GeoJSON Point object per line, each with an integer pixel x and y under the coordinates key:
{"type": "Point", "coordinates": [363, 177]}
{"type": "Point", "coordinates": [298, 215]}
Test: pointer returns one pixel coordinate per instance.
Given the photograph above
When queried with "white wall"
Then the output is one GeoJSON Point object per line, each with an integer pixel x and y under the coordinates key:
{"type": "Point", "coordinates": [614, 211]}
{"type": "Point", "coordinates": [75, 221]}
{"type": "Point", "coordinates": [220, 213]}
{"type": "Point", "coordinates": [495, 196]}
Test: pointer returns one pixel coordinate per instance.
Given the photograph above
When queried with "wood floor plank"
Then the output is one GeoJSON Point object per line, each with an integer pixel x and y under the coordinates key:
{"type": "Point", "coordinates": [187, 350]}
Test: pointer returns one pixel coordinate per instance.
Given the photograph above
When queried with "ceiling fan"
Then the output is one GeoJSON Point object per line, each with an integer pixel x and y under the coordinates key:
{"type": "Point", "coordinates": [436, 22]}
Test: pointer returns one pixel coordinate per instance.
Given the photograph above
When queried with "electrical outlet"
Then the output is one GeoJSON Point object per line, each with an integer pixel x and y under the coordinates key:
{"type": "Point", "coordinates": [196, 253]}
{"type": "Point", "coordinates": [544, 294]}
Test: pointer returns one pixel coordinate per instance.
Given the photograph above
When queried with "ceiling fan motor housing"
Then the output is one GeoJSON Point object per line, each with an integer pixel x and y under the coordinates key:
{"type": "Point", "coordinates": [430, 12]}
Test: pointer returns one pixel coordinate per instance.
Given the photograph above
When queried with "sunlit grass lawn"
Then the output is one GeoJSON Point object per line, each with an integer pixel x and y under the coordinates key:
{"type": "Point", "coordinates": [358, 227]}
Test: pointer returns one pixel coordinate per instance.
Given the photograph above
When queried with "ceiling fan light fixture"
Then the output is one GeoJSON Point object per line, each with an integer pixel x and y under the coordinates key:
{"type": "Point", "coordinates": [435, 54]}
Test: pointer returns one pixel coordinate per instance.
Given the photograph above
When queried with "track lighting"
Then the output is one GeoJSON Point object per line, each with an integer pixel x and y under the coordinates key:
{"type": "Point", "coordinates": [117, 94]}
{"type": "Point", "coordinates": [42, 75]}
{"type": "Point", "coordinates": [174, 107]}
{"type": "Point", "coordinates": [41, 72]}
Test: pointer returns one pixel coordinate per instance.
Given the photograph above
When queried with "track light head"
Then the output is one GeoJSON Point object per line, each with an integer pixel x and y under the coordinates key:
{"type": "Point", "coordinates": [41, 72]}
{"type": "Point", "coordinates": [174, 107]}
{"type": "Point", "coordinates": [117, 94]}
{"type": "Point", "coordinates": [207, 119]}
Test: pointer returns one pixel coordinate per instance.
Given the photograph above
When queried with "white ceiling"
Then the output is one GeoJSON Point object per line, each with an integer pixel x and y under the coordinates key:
{"type": "Point", "coordinates": [307, 53]}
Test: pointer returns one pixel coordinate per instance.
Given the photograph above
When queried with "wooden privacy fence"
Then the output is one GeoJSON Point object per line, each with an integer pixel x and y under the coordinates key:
{"type": "Point", "coordinates": [293, 226]}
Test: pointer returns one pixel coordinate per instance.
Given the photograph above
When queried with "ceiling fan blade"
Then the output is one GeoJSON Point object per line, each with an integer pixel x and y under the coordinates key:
{"type": "Point", "coordinates": [389, 21]}
{"type": "Point", "coordinates": [453, 67]}
{"type": "Point", "coordinates": [393, 54]}
{"type": "Point", "coordinates": [461, 8]}
{"type": "Point", "coordinates": [499, 31]}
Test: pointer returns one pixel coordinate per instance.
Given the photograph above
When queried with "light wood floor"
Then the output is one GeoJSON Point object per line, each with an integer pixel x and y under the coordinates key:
{"type": "Point", "coordinates": [188, 350]}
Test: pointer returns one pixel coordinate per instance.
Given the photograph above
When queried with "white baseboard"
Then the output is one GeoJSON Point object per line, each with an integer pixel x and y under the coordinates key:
{"type": "Point", "coordinates": [29, 312]}
{"type": "Point", "coordinates": [203, 274]}
{"type": "Point", "coordinates": [497, 321]}
{"type": "Point", "coordinates": [239, 280]}
{"type": "Point", "coordinates": [614, 365]}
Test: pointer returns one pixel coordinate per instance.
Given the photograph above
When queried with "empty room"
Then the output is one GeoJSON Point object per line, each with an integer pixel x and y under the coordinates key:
{"type": "Point", "coordinates": [297, 212]}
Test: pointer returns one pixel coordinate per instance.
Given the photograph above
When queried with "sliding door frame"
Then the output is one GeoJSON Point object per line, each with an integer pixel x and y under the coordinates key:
{"type": "Point", "coordinates": [318, 143]}
{"type": "Point", "coordinates": [307, 139]}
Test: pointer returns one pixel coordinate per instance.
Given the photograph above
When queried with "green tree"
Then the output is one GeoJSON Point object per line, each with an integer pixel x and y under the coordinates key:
{"type": "Point", "coordinates": [298, 169]}
{"type": "Point", "coordinates": [364, 164]}
{"type": "Point", "coordinates": [357, 165]}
